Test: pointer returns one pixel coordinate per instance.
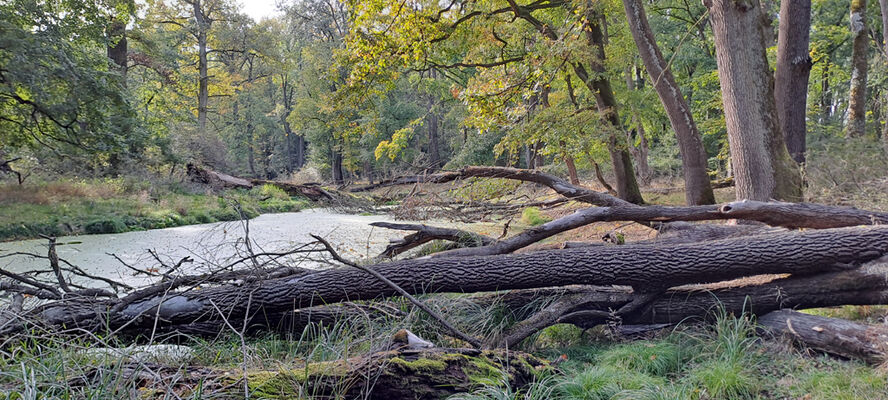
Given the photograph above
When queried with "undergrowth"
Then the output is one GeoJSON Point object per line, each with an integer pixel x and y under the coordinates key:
{"type": "Point", "coordinates": [722, 360]}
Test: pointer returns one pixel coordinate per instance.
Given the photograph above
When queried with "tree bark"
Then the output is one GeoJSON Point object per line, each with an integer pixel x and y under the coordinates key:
{"type": "Point", "coordinates": [693, 156]}
{"type": "Point", "coordinates": [763, 169]}
{"type": "Point", "coordinates": [117, 46]}
{"type": "Point", "coordinates": [587, 307]}
{"type": "Point", "coordinates": [645, 268]}
{"type": "Point", "coordinates": [835, 336]}
{"type": "Point", "coordinates": [791, 78]}
{"type": "Point", "coordinates": [883, 6]}
{"type": "Point", "coordinates": [424, 234]}
{"type": "Point", "coordinates": [203, 87]}
{"type": "Point", "coordinates": [627, 185]}
{"type": "Point", "coordinates": [571, 169]}
{"type": "Point", "coordinates": [855, 126]}
{"type": "Point", "coordinates": [336, 165]}
{"type": "Point", "coordinates": [786, 215]}
{"type": "Point", "coordinates": [825, 97]}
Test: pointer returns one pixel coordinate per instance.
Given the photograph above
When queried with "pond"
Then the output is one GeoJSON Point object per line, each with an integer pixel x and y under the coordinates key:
{"type": "Point", "coordinates": [209, 244]}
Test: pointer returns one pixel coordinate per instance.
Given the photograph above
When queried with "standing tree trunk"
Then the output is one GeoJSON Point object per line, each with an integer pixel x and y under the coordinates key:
{"type": "Point", "coordinates": [627, 185]}
{"type": "Point", "coordinates": [697, 187]}
{"type": "Point", "coordinates": [117, 46]}
{"type": "Point", "coordinates": [640, 152]}
{"type": "Point", "coordinates": [793, 69]}
{"type": "Point", "coordinates": [763, 169]}
{"type": "Point", "coordinates": [434, 154]}
{"type": "Point", "coordinates": [883, 5]}
{"type": "Point", "coordinates": [433, 121]}
{"type": "Point", "coordinates": [856, 124]}
{"type": "Point", "coordinates": [825, 98]}
{"type": "Point", "coordinates": [336, 164]}
{"type": "Point", "coordinates": [203, 87]}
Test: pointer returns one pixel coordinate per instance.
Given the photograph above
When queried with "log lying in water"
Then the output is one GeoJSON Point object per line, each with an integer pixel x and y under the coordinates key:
{"type": "Point", "coordinates": [831, 335]}
{"type": "Point", "coordinates": [646, 268]}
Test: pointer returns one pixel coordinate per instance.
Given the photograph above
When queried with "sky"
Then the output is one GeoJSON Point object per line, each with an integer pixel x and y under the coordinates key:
{"type": "Point", "coordinates": [257, 9]}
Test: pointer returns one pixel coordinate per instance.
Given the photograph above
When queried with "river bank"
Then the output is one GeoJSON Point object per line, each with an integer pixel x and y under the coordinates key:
{"type": "Point", "coordinates": [74, 207]}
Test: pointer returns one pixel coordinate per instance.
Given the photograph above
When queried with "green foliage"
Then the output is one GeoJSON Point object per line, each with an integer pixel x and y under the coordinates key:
{"type": "Point", "coordinates": [533, 217]}
{"type": "Point", "coordinates": [657, 359]}
{"type": "Point", "coordinates": [57, 95]}
{"type": "Point", "coordinates": [726, 379]}
{"type": "Point", "coordinates": [605, 383]}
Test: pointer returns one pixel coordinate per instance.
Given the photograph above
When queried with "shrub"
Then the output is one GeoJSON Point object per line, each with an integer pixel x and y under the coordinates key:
{"type": "Point", "coordinates": [105, 225]}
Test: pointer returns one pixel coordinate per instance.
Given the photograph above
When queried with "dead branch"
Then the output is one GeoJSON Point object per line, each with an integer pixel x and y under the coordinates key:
{"type": "Point", "coordinates": [424, 234]}
{"type": "Point", "coordinates": [453, 330]}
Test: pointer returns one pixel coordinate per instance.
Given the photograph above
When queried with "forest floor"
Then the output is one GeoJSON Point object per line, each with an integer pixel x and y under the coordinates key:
{"type": "Point", "coordinates": [70, 207]}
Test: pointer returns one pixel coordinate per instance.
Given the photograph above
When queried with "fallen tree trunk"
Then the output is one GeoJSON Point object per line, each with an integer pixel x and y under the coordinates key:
{"type": "Point", "coordinates": [831, 335]}
{"type": "Point", "coordinates": [217, 179]}
{"type": "Point", "coordinates": [407, 374]}
{"type": "Point", "coordinates": [587, 307]}
{"type": "Point", "coordinates": [779, 214]}
{"type": "Point", "coordinates": [646, 268]}
{"type": "Point", "coordinates": [425, 234]}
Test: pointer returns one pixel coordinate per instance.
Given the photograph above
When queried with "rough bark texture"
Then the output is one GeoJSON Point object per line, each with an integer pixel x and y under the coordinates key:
{"type": "Point", "coordinates": [693, 156]}
{"type": "Point", "coordinates": [598, 83]}
{"type": "Point", "coordinates": [883, 6]}
{"type": "Point", "coordinates": [791, 78]}
{"type": "Point", "coordinates": [786, 215]}
{"type": "Point", "coordinates": [867, 285]}
{"type": "Point", "coordinates": [336, 165]}
{"type": "Point", "coordinates": [856, 124]}
{"type": "Point", "coordinates": [763, 169]}
{"type": "Point", "coordinates": [646, 268]}
{"type": "Point", "coordinates": [831, 335]}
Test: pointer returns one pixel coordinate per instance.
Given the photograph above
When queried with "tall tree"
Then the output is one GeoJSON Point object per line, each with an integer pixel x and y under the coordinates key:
{"type": "Point", "coordinates": [856, 124]}
{"type": "Point", "coordinates": [117, 45]}
{"type": "Point", "coordinates": [883, 6]}
{"type": "Point", "coordinates": [599, 84]}
{"type": "Point", "coordinates": [693, 156]}
{"type": "Point", "coordinates": [793, 69]}
{"type": "Point", "coordinates": [763, 169]}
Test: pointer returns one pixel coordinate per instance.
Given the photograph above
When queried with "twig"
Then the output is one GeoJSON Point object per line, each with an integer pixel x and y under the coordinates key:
{"type": "Point", "coordinates": [137, 271]}
{"type": "Point", "coordinates": [54, 263]}
{"type": "Point", "coordinates": [456, 332]}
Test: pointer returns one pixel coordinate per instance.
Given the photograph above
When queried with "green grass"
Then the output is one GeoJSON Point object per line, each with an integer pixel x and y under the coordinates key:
{"type": "Point", "coordinates": [533, 217]}
{"type": "Point", "coordinates": [114, 206]}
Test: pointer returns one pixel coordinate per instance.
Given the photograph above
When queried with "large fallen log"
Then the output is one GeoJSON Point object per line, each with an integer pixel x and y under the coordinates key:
{"type": "Point", "coordinates": [778, 214]}
{"type": "Point", "coordinates": [831, 335]}
{"type": "Point", "coordinates": [220, 180]}
{"type": "Point", "coordinates": [646, 268]}
{"type": "Point", "coordinates": [406, 374]}
{"type": "Point", "coordinates": [583, 307]}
